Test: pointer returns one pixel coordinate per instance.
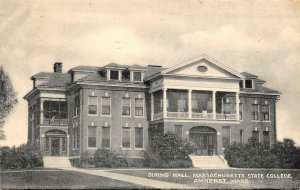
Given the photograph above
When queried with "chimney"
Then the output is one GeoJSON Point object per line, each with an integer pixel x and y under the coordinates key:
{"type": "Point", "coordinates": [57, 67]}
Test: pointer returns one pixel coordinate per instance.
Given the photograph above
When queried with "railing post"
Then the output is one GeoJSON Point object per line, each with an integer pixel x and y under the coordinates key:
{"type": "Point", "coordinates": [190, 103]}
{"type": "Point", "coordinates": [214, 104]}
{"type": "Point", "coordinates": [237, 100]}
{"type": "Point", "coordinates": [164, 103]}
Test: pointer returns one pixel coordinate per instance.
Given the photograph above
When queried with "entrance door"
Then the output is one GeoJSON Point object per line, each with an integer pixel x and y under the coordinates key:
{"type": "Point", "coordinates": [55, 146]}
{"type": "Point", "coordinates": [203, 140]}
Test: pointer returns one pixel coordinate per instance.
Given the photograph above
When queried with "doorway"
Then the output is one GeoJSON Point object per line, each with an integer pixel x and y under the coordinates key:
{"type": "Point", "coordinates": [203, 140]}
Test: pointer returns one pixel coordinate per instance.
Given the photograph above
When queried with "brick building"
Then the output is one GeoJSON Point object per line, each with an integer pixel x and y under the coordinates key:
{"type": "Point", "coordinates": [121, 107]}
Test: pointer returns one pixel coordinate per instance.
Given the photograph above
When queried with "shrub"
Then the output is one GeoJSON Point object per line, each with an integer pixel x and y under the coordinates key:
{"type": "Point", "coordinates": [22, 157]}
{"type": "Point", "coordinates": [168, 152]}
{"type": "Point", "coordinates": [108, 159]}
{"type": "Point", "coordinates": [86, 160]}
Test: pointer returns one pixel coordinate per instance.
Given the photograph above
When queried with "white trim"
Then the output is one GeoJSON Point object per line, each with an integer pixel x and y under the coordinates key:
{"type": "Point", "coordinates": [203, 56]}
{"type": "Point", "coordinates": [236, 90]}
{"type": "Point", "coordinates": [202, 121]}
{"type": "Point", "coordinates": [130, 110]}
{"type": "Point", "coordinates": [109, 106]}
{"type": "Point", "coordinates": [252, 84]}
{"type": "Point", "coordinates": [142, 98]}
{"type": "Point", "coordinates": [137, 72]}
{"type": "Point", "coordinates": [261, 93]}
{"type": "Point", "coordinates": [55, 126]}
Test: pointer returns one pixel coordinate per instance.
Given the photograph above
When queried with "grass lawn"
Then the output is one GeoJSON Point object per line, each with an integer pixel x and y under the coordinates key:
{"type": "Point", "coordinates": [55, 179]}
{"type": "Point", "coordinates": [223, 178]}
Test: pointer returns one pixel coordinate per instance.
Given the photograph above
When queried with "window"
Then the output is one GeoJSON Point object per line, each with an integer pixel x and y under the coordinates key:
{"type": "Point", "coordinates": [63, 144]}
{"type": "Point", "coordinates": [126, 75]}
{"type": "Point", "coordinates": [248, 83]}
{"type": "Point", "coordinates": [55, 112]}
{"type": "Point", "coordinates": [255, 136]}
{"type": "Point", "coordinates": [47, 145]}
{"type": "Point", "coordinates": [241, 137]}
{"type": "Point", "coordinates": [266, 138]}
{"type": "Point", "coordinates": [178, 131]}
{"type": "Point", "coordinates": [76, 137]}
{"type": "Point", "coordinates": [105, 137]}
{"type": "Point", "coordinates": [181, 106]}
{"type": "Point", "coordinates": [226, 136]}
{"type": "Point", "coordinates": [241, 111]}
{"type": "Point", "coordinates": [139, 107]}
{"type": "Point", "coordinates": [125, 106]}
{"type": "Point", "coordinates": [76, 110]}
{"type": "Point", "coordinates": [92, 137]}
{"type": "Point", "coordinates": [139, 138]}
{"type": "Point", "coordinates": [126, 137]}
{"type": "Point", "coordinates": [92, 105]}
{"type": "Point", "coordinates": [137, 76]}
{"type": "Point", "coordinates": [265, 109]}
{"type": "Point", "coordinates": [105, 106]}
{"type": "Point", "coordinates": [194, 106]}
{"type": "Point", "coordinates": [114, 75]}
{"type": "Point", "coordinates": [255, 110]}
{"type": "Point", "coordinates": [241, 84]}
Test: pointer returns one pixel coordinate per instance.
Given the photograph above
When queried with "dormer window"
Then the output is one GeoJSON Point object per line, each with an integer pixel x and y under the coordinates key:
{"type": "Point", "coordinates": [137, 76]}
{"type": "Point", "coordinates": [114, 75]}
{"type": "Point", "coordinates": [248, 83]}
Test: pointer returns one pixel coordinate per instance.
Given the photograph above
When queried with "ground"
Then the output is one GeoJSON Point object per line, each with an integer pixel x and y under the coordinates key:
{"type": "Point", "coordinates": [57, 179]}
{"type": "Point", "coordinates": [194, 178]}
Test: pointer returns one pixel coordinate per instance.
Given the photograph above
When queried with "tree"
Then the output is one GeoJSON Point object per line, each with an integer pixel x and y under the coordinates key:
{"type": "Point", "coordinates": [7, 99]}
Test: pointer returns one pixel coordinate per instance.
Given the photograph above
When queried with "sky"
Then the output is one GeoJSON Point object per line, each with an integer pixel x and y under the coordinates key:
{"type": "Point", "coordinates": [260, 37]}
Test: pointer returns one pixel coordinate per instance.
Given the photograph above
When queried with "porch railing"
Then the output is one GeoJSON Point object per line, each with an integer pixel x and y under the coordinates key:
{"type": "Point", "coordinates": [225, 116]}
{"type": "Point", "coordinates": [178, 114]}
{"type": "Point", "coordinates": [205, 116]}
{"type": "Point", "coordinates": [202, 115]}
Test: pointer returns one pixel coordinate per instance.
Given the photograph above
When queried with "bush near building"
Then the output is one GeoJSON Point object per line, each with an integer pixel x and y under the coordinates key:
{"type": "Point", "coordinates": [22, 157]}
{"type": "Point", "coordinates": [258, 155]}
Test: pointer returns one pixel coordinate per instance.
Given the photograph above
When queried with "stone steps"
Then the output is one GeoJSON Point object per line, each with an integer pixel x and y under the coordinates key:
{"type": "Point", "coordinates": [56, 162]}
{"type": "Point", "coordinates": [209, 162]}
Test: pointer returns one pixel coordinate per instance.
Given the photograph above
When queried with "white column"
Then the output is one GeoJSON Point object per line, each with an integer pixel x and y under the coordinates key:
{"type": "Point", "coordinates": [190, 103]}
{"type": "Point", "coordinates": [214, 104]}
{"type": "Point", "coordinates": [164, 102]}
{"type": "Point", "coordinates": [237, 100]}
{"type": "Point", "coordinates": [152, 106]}
{"type": "Point", "coordinates": [120, 76]}
{"type": "Point", "coordinates": [131, 75]}
{"type": "Point", "coordinates": [42, 111]}
{"type": "Point", "coordinates": [67, 145]}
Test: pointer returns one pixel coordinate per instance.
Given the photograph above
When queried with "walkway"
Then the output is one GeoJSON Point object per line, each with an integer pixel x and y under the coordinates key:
{"type": "Point", "coordinates": [148, 183]}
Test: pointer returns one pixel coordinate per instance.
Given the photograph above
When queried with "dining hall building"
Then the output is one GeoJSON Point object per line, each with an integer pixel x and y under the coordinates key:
{"type": "Point", "coordinates": [122, 107]}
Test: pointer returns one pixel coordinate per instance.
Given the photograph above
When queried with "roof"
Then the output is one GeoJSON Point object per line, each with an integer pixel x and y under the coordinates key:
{"type": "Point", "coordinates": [249, 75]}
{"type": "Point", "coordinates": [151, 70]}
{"type": "Point", "coordinates": [54, 79]}
{"type": "Point", "coordinates": [263, 89]}
{"type": "Point", "coordinates": [42, 75]}
{"type": "Point", "coordinates": [120, 66]}
{"type": "Point", "coordinates": [84, 68]}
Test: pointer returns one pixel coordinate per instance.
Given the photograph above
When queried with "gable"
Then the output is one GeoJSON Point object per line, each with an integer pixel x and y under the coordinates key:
{"type": "Point", "coordinates": [203, 67]}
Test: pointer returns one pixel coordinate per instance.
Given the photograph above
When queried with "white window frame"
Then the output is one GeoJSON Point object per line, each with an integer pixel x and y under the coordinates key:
{"type": "Point", "coordinates": [137, 72]}
{"type": "Point", "coordinates": [269, 114]}
{"type": "Point", "coordinates": [143, 107]}
{"type": "Point", "coordinates": [252, 84]}
{"type": "Point", "coordinates": [126, 148]}
{"type": "Point", "coordinates": [90, 104]}
{"type": "Point", "coordinates": [129, 107]}
{"type": "Point", "coordinates": [258, 115]}
{"type": "Point", "coordinates": [88, 137]}
{"type": "Point", "coordinates": [143, 139]}
{"type": "Point", "coordinates": [109, 106]}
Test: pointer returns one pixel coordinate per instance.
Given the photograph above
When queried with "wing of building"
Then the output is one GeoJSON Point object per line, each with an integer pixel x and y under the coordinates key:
{"type": "Point", "coordinates": [121, 107]}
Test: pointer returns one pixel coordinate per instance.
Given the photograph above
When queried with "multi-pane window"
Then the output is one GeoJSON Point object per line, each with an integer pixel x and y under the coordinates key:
{"type": "Point", "coordinates": [92, 105]}
{"type": "Point", "coordinates": [265, 109]}
{"type": "Point", "coordinates": [139, 138]}
{"type": "Point", "coordinates": [266, 138]}
{"type": "Point", "coordinates": [105, 105]}
{"type": "Point", "coordinates": [139, 107]}
{"type": "Point", "coordinates": [126, 137]}
{"type": "Point", "coordinates": [226, 136]}
{"type": "Point", "coordinates": [63, 144]}
{"type": "Point", "coordinates": [178, 131]}
{"type": "Point", "coordinates": [114, 75]}
{"type": "Point", "coordinates": [125, 106]}
{"type": "Point", "coordinates": [255, 112]}
{"type": "Point", "coordinates": [137, 76]}
{"type": "Point", "coordinates": [92, 136]}
{"type": "Point", "coordinates": [241, 111]}
{"type": "Point", "coordinates": [76, 110]}
{"type": "Point", "coordinates": [255, 136]}
{"type": "Point", "coordinates": [105, 137]}
{"type": "Point", "coordinates": [76, 137]}
{"type": "Point", "coordinates": [55, 112]}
